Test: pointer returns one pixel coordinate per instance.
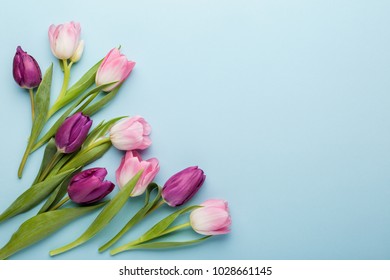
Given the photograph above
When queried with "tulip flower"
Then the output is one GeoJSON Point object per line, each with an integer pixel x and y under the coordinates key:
{"type": "Point", "coordinates": [64, 39]}
{"type": "Point", "coordinates": [114, 68]}
{"type": "Point", "coordinates": [130, 165]}
{"type": "Point", "coordinates": [72, 133]}
{"type": "Point", "coordinates": [27, 74]}
{"type": "Point", "coordinates": [26, 71]}
{"type": "Point", "coordinates": [78, 53]}
{"type": "Point", "coordinates": [131, 134]}
{"type": "Point", "coordinates": [182, 186]}
{"type": "Point", "coordinates": [89, 186]}
{"type": "Point", "coordinates": [212, 218]}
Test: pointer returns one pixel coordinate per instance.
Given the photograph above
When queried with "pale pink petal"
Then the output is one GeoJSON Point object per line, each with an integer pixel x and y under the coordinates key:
{"type": "Point", "coordinates": [216, 203]}
{"type": "Point", "coordinates": [210, 220]}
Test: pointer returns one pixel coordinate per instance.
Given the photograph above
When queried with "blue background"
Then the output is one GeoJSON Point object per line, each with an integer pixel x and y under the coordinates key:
{"type": "Point", "coordinates": [284, 104]}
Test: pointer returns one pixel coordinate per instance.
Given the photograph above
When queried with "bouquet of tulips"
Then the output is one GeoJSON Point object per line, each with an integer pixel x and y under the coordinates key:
{"type": "Point", "coordinates": [67, 190]}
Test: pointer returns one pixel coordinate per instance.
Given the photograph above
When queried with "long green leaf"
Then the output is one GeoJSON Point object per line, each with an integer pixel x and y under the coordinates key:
{"type": "Point", "coordinates": [83, 100]}
{"type": "Point", "coordinates": [41, 226]}
{"type": "Point", "coordinates": [95, 107]}
{"type": "Point", "coordinates": [56, 169]}
{"type": "Point", "coordinates": [58, 193]}
{"type": "Point", "coordinates": [42, 102]}
{"type": "Point", "coordinates": [33, 196]}
{"type": "Point", "coordinates": [84, 157]}
{"type": "Point", "coordinates": [161, 226]}
{"type": "Point", "coordinates": [137, 217]}
{"type": "Point", "coordinates": [100, 131]}
{"type": "Point", "coordinates": [158, 245]}
{"type": "Point", "coordinates": [48, 155]}
{"type": "Point", "coordinates": [87, 80]}
{"type": "Point", "coordinates": [104, 217]}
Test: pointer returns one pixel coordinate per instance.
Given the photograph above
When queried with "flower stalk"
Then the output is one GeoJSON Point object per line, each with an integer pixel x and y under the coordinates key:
{"type": "Point", "coordinates": [31, 93]}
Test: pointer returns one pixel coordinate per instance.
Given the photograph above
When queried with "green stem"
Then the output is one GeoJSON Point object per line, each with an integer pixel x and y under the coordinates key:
{"type": "Point", "coordinates": [57, 156]}
{"type": "Point", "coordinates": [142, 213]}
{"type": "Point", "coordinates": [31, 92]}
{"type": "Point", "coordinates": [59, 204]}
{"type": "Point", "coordinates": [140, 240]}
{"type": "Point", "coordinates": [57, 104]}
{"type": "Point", "coordinates": [97, 143]}
{"type": "Point", "coordinates": [24, 159]}
{"type": "Point", "coordinates": [158, 205]}
{"type": "Point", "coordinates": [176, 228]}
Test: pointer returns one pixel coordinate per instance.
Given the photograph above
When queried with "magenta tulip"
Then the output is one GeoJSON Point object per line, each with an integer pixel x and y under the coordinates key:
{"type": "Point", "coordinates": [131, 134]}
{"type": "Point", "coordinates": [72, 133]}
{"type": "Point", "coordinates": [114, 68]}
{"type": "Point", "coordinates": [182, 186]}
{"type": "Point", "coordinates": [130, 165]}
{"type": "Point", "coordinates": [89, 186]}
{"type": "Point", "coordinates": [212, 218]}
{"type": "Point", "coordinates": [64, 39]}
{"type": "Point", "coordinates": [26, 71]}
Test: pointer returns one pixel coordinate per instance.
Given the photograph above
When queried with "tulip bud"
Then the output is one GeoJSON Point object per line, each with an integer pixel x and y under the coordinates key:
{"type": "Point", "coordinates": [114, 68]}
{"type": "Point", "coordinates": [89, 186]}
{"type": "Point", "coordinates": [131, 134]}
{"type": "Point", "coordinates": [130, 165]}
{"type": "Point", "coordinates": [182, 186]}
{"type": "Point", "coordinates": [64, 39]}
{"type": "Point", "coordinates": [72, 133]}
{"type": "Point", "coordinates": [78, 53]}
{"type": "Point", "coordinates": [211, 219]}
{"type": "Point", "coordinates": [26, 71]}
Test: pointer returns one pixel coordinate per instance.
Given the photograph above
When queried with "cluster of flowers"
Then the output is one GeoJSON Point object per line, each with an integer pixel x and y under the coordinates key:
{"type": "Point", "coordinates": [71, 145]}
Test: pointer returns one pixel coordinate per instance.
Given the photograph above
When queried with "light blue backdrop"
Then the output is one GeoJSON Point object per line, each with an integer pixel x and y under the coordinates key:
{"type": "Point", "coordinates": [284, 104]}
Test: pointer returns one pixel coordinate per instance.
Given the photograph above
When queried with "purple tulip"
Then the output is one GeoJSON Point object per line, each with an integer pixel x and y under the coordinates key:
{"type": "Point", "coordinates": [182, 186]}
{"type": "Point", "coordinates": [26, 71]}
{"type": "Point", "coordinates": [89, 186]}
{"type": "Point", "coordinates": [72, 133]}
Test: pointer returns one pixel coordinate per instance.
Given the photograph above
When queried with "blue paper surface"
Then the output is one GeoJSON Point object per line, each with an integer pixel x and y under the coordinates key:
{"type": "Point", "coordinates": [283, 104]}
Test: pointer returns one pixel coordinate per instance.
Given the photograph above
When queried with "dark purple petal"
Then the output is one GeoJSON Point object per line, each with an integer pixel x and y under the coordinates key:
{"type": "Point", "coordinates": [99, 193]}
{"type": "Point", "coordinates": [72, 133]}
{"type": "Point", "coordinates": [182, 186]}
{"type": "Point", "coordinates": [26, 71]}
{"type": "Point", "coordinates": [81, 133]}
{"type": "Point", "coordinates": [63, 132]}
{"type": "Point", "coordinates": [101, 173]}
{"type": "Point", "coordinates": [89, 186]}
{"type": "Point", "coordinates": [98, 172]}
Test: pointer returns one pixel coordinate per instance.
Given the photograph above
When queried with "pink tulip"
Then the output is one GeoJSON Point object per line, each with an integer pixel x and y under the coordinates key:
{"type": "Point", "coordinates": [64, 39]}
{"type": "Point", "coordinates": [130, 165]}
{"type": "Point", "coordinates": [211, 219]}
{"type": "Point", "coordinates": [114, 68]}
{"type": "Point", "coordinates": [131, 134]}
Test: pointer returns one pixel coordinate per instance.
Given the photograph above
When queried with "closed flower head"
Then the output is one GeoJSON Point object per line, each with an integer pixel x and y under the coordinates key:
{"type": "Point", "coordinates": [114, 68]}
{"type": "Point", "coordinates": [72, 133]}
{"type": "Point", "coordinates": [130, 165]}
{"type": "Point", "coordinates": [26, 71]}
{"type": "Point", "coordinates": [182, 186]}
{"type": "Point", "coordinates": [212, 218]}
{"type": "Point", "coordinates": [64, 39]}
{"type": "Point", "coordinates": [131, 134]}
{"type": "Point", "coordinates": [89, 186]}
